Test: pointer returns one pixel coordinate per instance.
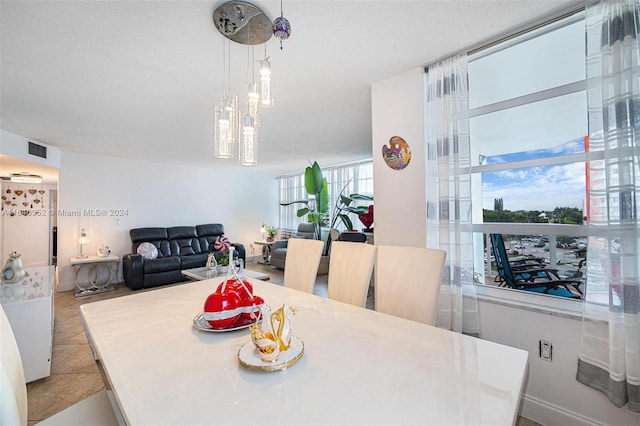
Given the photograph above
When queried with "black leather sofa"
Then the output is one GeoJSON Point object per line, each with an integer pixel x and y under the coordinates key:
{"type": "Point", "coordinates": [179, 247]}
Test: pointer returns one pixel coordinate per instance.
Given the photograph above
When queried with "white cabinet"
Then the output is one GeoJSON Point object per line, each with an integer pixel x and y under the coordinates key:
{"type": "Point", "coordinates": [29, 307]}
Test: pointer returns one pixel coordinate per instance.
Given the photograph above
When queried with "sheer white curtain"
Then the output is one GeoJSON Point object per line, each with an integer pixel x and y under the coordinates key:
{"type": "Point", "coordinates": [449, 191]}
{"type": "Point", "coordinates": [609, 356]}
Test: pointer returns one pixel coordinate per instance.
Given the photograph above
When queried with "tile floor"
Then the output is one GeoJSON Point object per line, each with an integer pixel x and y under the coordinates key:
{"type": "Point", "coordinates": [74, 374]}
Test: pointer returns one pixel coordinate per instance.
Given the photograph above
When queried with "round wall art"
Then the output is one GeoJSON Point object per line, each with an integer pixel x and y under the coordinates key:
{"type": "Point", "coordinates": [397, 155]}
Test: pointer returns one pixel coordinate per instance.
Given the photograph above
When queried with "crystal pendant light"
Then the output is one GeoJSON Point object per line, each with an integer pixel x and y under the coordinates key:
{"type": "Point", "coordinates": [254, 100]}
{"type": "Point", "coordinates": [254, 94]}
{"type": "Point", "coordinates": [247, 24]}
{"type": "Point", "coordinates": [225, 126]}
{"type": "Point", "coordinates": [248, 148]}
{"type": "Point", "coordinates": [226, 114]}
{"type": "Point", "coordinates": [266, 100]}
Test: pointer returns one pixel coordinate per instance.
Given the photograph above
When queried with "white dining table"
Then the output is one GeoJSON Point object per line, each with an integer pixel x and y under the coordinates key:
{"type": "Point", "coordinates": [359, 367]}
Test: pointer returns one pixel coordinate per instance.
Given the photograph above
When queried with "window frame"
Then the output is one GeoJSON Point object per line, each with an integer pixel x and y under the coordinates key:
{"type": "Point", "coordinates": [534, 301]}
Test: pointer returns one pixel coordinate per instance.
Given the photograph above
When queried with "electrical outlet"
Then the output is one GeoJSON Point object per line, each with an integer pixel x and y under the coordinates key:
{"type": "Point", "coordinates": [545, 349]}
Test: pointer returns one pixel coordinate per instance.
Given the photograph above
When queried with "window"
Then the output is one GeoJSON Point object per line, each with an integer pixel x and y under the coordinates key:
{"type": "Point", "coordinates": [528, 129]}
{"type": "Point", "coordinates": [353, 178]}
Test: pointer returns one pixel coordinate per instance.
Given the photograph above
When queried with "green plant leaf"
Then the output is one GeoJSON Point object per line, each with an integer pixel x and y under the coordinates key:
{"type": "Point", "coordinates": [358, 210]}
{"type": "Point", "coordinates": [302, 212]}
{"type": "Point", "coordinates": [322, 199]}
{"type": "Point", "coordinates": [346, 221]}
{"type": "Point", "coordinates": [361, 197]}
{"type": "Point", "coordinates": [345, 200]}
{"type": "Point", "coordinates": [313, 179]}
{"type": "Point", "coordinates": [295, 202]}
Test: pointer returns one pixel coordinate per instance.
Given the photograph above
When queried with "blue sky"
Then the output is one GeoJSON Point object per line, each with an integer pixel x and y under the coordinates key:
{"type": "Point", "coordinates": [536, 188]}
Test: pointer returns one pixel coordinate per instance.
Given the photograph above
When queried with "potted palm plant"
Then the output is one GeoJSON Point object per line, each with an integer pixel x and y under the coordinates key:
{"type": "Point", "coordinates": [271, 232]}
{"type": "Point", "coordinates": [316, 206]}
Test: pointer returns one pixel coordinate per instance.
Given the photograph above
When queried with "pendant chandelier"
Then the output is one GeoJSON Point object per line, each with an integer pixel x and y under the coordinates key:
{"type": "Point", "coordinates": [281, 27]}
{"type": "Point", "coordinates": [246, 24]}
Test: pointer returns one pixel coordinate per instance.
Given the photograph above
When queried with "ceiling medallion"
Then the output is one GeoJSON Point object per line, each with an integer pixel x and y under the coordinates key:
{"type": "Point", "coordinates": [242, 22]}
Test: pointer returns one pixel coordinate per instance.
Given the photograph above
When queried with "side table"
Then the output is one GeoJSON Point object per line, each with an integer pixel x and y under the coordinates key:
{"type": "Point", "coordinates": [94, 282]}
{"type": "Point", "coordinates": [266, 251]}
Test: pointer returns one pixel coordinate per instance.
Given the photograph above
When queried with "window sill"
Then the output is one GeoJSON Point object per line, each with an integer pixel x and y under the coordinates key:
{"type": "Point", "coordinates": [542, 303]}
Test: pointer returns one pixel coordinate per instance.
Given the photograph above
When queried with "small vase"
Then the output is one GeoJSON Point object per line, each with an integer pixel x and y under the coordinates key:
{"type": "Point", "coordinates": [271, 239]}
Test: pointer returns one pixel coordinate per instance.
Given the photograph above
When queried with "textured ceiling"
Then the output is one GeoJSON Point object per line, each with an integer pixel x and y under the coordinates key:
{"type": "Point", "coordinates": [138, 79]}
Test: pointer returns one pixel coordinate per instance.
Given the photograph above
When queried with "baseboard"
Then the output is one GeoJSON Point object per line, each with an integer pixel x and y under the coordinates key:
{"type": "Point", "coordinates": [551, 415]}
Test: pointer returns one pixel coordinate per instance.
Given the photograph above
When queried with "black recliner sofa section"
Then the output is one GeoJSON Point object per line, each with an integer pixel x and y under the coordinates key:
{"type": "Point", "coordinates": [179, 247]}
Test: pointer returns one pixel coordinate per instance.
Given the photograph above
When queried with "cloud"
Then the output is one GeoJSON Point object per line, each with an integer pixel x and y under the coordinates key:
{"type": "Point", "coordinates": [536, 188]}
{"type": "Point", "coordinates": [540, 188]}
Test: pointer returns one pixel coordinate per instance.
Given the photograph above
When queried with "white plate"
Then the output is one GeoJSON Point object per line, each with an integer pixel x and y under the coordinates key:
{"type": "Point", "coordinates": [201, 324]}
{"type": "Point", "coordinates": [249, 357]}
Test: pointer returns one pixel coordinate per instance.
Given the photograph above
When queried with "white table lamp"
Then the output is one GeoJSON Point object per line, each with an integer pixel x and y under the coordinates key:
{"type": "Point", "coordinates": [82, 240]}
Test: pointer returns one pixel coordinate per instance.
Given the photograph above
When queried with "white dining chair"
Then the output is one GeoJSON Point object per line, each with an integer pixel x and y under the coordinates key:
{"type": "Point", "coordinates": [95, 410]}
{"type": "Point", "coordinates": [350, 270]}
{"type": "Point", "coordinates": [301, 263]}
{"type": "Point", "coordinates": [408, 282]}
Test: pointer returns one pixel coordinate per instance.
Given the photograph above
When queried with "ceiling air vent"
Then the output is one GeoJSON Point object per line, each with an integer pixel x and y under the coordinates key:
{"type": "Point", "coordinates": [37, 150]}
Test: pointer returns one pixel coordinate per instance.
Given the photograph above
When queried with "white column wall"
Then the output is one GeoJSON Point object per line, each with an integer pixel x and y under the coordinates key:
{"type": "Point", "coordinates": [108, 196]}
{"type": "Point", "coordinates": [400, 204]}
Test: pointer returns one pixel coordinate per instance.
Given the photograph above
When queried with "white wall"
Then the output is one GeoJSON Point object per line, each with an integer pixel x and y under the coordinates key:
{"type": "Point", "coordinates": [403, 192]}
{"type": "Point", "coordinates": [552, 394]}
{"type": "Point", "coordinates": [18, 147]}
{"type": "Point", "coordinates": [138, 194]}
{"type": "Point", "coordinates": [26, 228]}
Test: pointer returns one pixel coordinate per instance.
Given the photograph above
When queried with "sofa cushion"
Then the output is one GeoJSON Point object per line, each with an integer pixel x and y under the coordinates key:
{"type": "Point", "coordinates": [183, 241]}
{"type": "Point", "coordinates": [147, 250]}
{"type": "Point", "coordinates": [140, 235]}
{"type": "Point", "coordinates": [164, 250]}
{"type": "Point", "coordinates": [161, 264]}
{"type": "Point", "coordinates": [181, 232]}
{"type": "Point", "coordinates": [193, 261]}
{"type": "Point", "coordinates": [156, 236]}
{"type": "Point", "coordinates": [210, 229]}
{"type": "Point", "coordinates": [208, 234]}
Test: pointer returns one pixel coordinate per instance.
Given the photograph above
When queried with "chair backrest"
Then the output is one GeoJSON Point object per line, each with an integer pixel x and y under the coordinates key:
{"type": "Point", "coordinates": [350, 269]}
{"type": "Point", "coordinates": [408, 282]}
{"type": "Point", "coordinates": [13, 389]}
{"type": "Point", "coordinates": [306, 230]}
{"type": "Point", "coordinates": [502, 260]}
{"type": "Point", "coordinates": [301, 263]}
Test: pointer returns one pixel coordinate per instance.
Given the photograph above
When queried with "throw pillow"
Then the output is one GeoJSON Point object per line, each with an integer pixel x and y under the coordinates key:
{"type": "Point", "coordinates": [222, 243]}
{"type": "Point", "coordinates": [148, 251]}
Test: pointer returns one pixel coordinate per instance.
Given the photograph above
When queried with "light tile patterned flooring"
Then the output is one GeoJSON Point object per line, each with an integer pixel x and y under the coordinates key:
{"type": "Point", "coordinates": [74, 374]}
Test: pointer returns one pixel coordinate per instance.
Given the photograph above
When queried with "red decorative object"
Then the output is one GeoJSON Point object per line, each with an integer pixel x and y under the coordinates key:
{"type": "Point", "coordinates": [221, 309]}
{"type": "Point", "coordinates": [222, 243]}
{"type": "Point", "coordinates": [367, 218]}
{"type": "Point", "coordinates": [233, 304]}
{"type": "Point", "coordinates": [244, 290]}
{"type": "Point", "coordinates": [251, 308]}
